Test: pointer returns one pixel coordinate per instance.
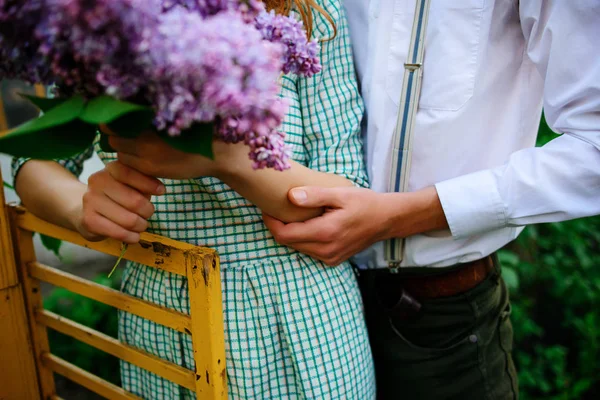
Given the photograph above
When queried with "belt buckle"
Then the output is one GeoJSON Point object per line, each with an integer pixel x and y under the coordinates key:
{"type": "Point", "coordinates": [394, 267]}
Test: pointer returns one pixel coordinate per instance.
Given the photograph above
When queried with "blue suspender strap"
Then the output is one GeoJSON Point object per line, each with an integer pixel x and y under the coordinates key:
{"type": "Point", "coordinates": [405, 124]}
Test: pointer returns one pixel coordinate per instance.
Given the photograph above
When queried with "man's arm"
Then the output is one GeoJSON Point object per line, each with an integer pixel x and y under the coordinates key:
{"type": "Point", "coordinates": [560, 180]}
{"type": "Point", "coordinates": [556, 182]}
{"type": "Point", "coordinates": [356, 218]}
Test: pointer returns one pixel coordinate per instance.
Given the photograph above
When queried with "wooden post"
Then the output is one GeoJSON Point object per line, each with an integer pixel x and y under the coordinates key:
{"type": "Point", "coordinates": [208, 334]}
{"type": "Point", "coordinates": [18, 376]}
{"type": "Point", "coordinates": [3, 121]}
{"type": "Point", "coordinates": [33, 302]}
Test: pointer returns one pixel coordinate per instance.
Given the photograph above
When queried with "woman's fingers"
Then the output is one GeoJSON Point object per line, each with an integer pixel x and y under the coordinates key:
{"type": "Point", "coordinates": [131, 177]}
{"type": "Point", "coordinates": [144, 165]}
{"type": "Point", "coordinates": [114, 212]}
{"type": "Point", "coordinates": [117, 203]}
{"type": "Point", "coordinates": [122, 194]}
{"type": "Point", "coordinates": [100, 226]}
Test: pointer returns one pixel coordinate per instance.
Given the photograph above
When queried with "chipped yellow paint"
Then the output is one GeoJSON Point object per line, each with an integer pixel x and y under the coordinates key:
{"type": "Point", "coordinates": [205, 324]}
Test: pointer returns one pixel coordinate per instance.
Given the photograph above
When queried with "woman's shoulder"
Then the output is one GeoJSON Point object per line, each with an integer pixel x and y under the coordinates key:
{"type": "Point", "coordinates": [328, 17]}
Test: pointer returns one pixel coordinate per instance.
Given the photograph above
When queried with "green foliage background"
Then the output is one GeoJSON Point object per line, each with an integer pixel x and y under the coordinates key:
{"type": "Point", "coordinates": [91, 313]}
{"type": "Point", "coordinates": [554, 277]}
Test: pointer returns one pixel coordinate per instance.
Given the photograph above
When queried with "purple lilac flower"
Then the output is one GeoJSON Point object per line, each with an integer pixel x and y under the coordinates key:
{"type": "Point", "coordinates": [19, 58]}
{"type": "Point", "coordinates": [191, 60]}
{"type": "Point", "coordinates": [248, 9]}
{"type": "Point", "coordinates": [204, 68]}
{"type": "Point", "coordinates": [266, 142]}
{"type": "Point", "coordinates": [302, 56]}
{"type": "Point", "coordinates": [92, 44]}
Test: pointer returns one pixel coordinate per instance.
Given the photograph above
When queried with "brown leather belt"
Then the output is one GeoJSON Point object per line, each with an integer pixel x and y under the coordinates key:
{"type": "Point", "coordinates": [444, 284]}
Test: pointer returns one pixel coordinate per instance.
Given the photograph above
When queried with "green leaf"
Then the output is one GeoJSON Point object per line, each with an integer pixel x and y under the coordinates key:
{"type": "Point", "coordinates": [132, 124]}
{"type": "Point", "coordinates": [508, 258]}
{"type": "Point", "coordinates": [56, 134]}
{"type": "Point", "coordinates": [61, 141]}
{"type": "Point", "coordinates": [197, 139]}
{"type": "Point", "coordinates": [51, 244]}
{"type": "Point", "coordinates": [45, 104]}
{"type": "Point", "coordinates": [66, 112]}
{"type": "Point", "coordinates": [511, 278]}
{"type": "Point", "coordinates": [106, 109]}
{"type": "Point", "coordinates": [8, 185]}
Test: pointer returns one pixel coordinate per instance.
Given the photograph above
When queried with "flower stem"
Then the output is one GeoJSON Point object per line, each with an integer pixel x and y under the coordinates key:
{"type": "Point", "coordinates": [123, 250]}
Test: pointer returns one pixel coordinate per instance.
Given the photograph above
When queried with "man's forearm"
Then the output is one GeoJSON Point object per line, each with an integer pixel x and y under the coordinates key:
{"type": "Point", "coordinates": [50, 192]}
{"type": "Point", "coordinates": [413, 213]}
{"type": "Point", "coordinates": [358, 218]}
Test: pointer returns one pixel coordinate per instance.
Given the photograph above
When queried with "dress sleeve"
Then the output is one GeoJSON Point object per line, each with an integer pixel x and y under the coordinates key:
{"type": "Point", "coordinates": [331, 105]}
{"type": "Point", "coordinates": [73, 164]}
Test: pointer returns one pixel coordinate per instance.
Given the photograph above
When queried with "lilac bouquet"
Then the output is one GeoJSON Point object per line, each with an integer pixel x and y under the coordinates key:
{"type": "Point", "coordinates": [186, 68]}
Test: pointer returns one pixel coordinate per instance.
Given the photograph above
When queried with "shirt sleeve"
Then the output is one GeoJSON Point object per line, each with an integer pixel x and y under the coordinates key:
{"type": "Point", "coordinates": [73, 164]}
{"type": "Point", "coordinates": [331, 105]}
{"type": "Point", "coordinates": [560, 180]}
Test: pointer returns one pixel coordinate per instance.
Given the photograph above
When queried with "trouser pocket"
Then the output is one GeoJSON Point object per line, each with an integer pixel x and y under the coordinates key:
{"type": "Point", "coordinates": [458, 348]}
{"type": "Point", "coordinates": [496, 364]}
{"type": "Point", "coordinates": [505, 337]}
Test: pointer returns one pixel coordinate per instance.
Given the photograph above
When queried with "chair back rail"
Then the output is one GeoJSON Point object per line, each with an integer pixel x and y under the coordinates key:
{"type": "Point", "coordinates": [18, 371]}
{"type": "Point", "coordinates": [204, 324]}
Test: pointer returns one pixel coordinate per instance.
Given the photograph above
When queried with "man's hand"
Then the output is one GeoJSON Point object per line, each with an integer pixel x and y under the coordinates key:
{"type": "Point", "coordinates": [117, 204]}
{"type": "Point", "coordinates": [355, 219]}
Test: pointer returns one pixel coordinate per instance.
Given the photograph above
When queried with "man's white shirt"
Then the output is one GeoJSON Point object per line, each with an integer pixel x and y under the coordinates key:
{"type": "Point", "coordinates": [490, 66]}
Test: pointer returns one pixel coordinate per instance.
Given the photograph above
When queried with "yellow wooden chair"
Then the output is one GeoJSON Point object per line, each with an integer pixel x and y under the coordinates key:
{"type": "Point", "coordinates": [27, 365]}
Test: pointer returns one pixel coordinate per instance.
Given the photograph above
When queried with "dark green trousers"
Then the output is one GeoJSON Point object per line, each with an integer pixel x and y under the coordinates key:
{"type": "Point", "coordinates": [457, 347]}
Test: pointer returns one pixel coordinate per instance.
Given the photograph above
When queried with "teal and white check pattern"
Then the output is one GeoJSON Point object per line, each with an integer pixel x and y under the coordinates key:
{"type": "Point", "coordinates": [294, 327]}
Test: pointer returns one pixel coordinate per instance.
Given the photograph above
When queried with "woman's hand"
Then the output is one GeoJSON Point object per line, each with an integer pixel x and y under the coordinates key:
{"type": "Point", "coordinates": [117, 204]}
{"type": "Point", "coordinates": [152, 156]}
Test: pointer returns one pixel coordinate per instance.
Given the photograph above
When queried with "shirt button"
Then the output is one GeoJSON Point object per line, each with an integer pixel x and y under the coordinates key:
{"type": "Point", "coordinates": [473, 338]}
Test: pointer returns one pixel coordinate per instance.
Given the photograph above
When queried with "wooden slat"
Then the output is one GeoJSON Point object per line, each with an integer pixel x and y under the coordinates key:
{"type": "Point", "coordinates": [208, 340]}
{"type": "Point", "coordinates": [8, 267]}
{"type": "Point", "coordinates": [85, 379]}
{"type": "Point", "coordinates": [145, 309]}
{"type": "Point", "coordinates": [3, 121]}
{"type": "Point", "coordinates": [18, 375]}
{"type": "Point", "coordinates": [110, 345]}
{"type": "Point", "coordinates": [153, 250]}
{"type": "Point", "coordinates": [40, 90]}
{"type": "Point", "coordinates": [34, 301]}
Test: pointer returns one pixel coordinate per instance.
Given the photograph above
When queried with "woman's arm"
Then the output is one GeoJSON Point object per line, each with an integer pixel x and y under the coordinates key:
{"type": "Point", "coordinates": [330, 114]}
{"type": "Point", "coordinates": [265, 188]}
{"type": "Point", "coordinates": [115, 203]}
{"type": "Point", "coordinates": [268, 189]}
{"type": "Point", "coordinates": [51, 192]}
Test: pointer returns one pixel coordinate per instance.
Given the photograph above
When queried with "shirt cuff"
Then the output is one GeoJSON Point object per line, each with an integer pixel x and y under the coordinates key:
{"type": "Point", "coordinates": [472, 204]}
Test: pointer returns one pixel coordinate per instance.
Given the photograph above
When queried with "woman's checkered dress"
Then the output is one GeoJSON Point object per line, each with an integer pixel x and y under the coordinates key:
{"type": "Point", "coordinates": [294, 327]}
